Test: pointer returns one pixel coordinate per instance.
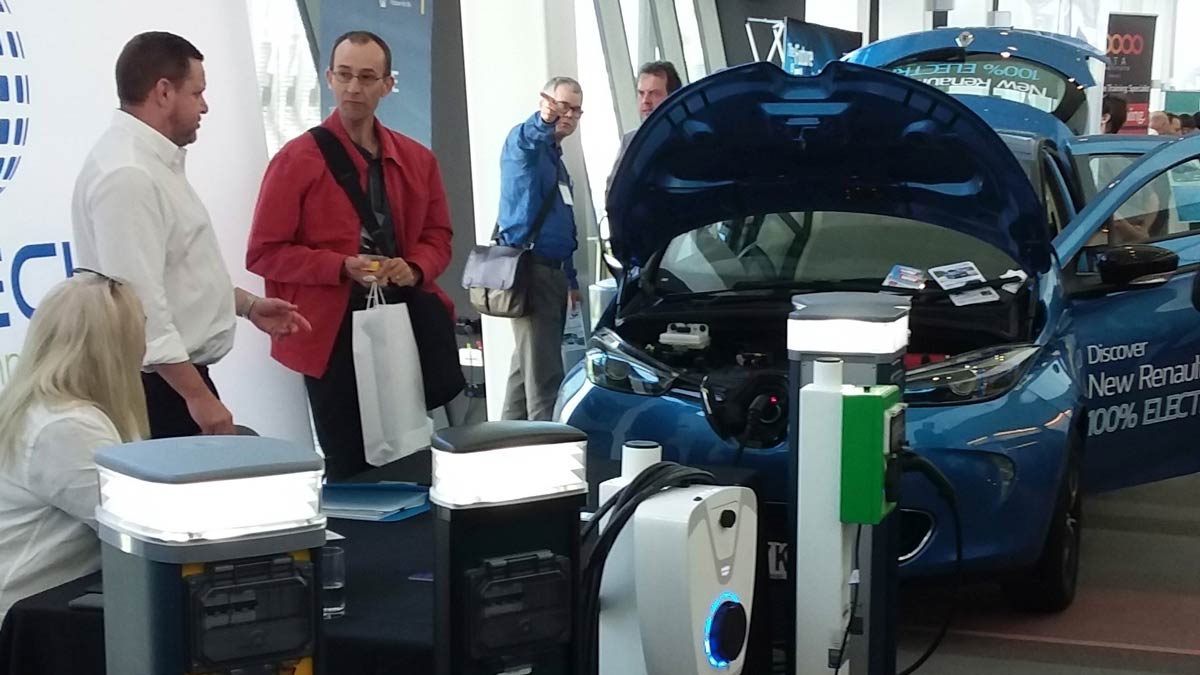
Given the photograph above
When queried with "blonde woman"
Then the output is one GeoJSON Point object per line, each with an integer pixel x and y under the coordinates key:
{"type": "Point", "coordinates": [77, 388]}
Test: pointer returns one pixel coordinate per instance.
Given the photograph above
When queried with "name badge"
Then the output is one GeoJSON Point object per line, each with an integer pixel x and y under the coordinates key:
{"type": "Point", "coordinates": [566, 194]}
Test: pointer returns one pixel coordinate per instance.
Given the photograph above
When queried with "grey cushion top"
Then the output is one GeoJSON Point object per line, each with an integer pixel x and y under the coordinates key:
{"type": "Point", "coordinates": [199, 459]}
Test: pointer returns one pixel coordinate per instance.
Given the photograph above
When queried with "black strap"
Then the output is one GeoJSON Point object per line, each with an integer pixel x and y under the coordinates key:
{"type": "Point", "coordinates": [543, 212]}
{"type": "Point", "coordinates": [346, 175]}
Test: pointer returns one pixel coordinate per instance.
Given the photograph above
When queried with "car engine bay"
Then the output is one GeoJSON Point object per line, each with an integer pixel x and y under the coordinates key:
{"type": "Point", "coordinates": [732, 351]}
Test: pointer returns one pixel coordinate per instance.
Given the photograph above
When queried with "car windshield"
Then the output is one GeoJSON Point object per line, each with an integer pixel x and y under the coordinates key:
{"type": "Point", "coordinates": [798, 248]}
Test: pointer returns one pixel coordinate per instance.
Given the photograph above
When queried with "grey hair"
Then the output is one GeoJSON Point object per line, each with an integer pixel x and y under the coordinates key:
{"type": "Point", "coordinates": [560, 80]}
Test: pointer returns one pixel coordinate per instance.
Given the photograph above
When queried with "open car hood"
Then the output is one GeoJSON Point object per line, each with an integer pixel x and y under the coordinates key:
{"type": "Point", "coordinates": [753, 139]}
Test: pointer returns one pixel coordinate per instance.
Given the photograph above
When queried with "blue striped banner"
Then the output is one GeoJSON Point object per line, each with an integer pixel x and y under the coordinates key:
{"type": "Point", "coordinates": [13, 162]}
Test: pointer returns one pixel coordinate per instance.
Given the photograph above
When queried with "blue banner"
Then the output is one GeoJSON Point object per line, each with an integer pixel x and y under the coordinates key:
{"type": "Point", "coordinates": [807, 47]}
{"type": "Point", "coordinates": [407, 27]}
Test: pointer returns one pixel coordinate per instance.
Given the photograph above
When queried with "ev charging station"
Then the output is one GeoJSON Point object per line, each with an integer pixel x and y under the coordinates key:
{"type": "Point", "coordinates": [660, 580]}
{"type": "Point", "coordinates": [846, 352]}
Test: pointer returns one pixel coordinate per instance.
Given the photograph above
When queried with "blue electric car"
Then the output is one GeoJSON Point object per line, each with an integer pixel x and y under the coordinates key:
{"type": "Point", "coordinates": [1078, 368]}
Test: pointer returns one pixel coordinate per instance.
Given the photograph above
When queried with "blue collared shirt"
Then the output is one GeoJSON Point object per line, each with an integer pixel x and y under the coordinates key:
{"type": "Point", "coordinates": [531, 169]}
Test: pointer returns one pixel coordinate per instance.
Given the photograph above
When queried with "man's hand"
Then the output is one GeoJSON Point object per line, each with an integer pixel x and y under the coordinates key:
{"type": "Point", "coordinates": [399, 272]}
{"type": "Point", "coordinates": [210, 414]}
{"type": "Point", "coordinates": [574, 299]}
{"type": "Point", "coordinates": [277, 318]}
{"type": "Point", "coordinates": [552, 109]}
{"type": "Point", "coordinates": [362, 271]}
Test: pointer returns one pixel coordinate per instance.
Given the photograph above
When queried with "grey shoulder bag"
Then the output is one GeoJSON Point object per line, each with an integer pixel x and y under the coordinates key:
{"type": "Point", "coordinates": [496, 277]}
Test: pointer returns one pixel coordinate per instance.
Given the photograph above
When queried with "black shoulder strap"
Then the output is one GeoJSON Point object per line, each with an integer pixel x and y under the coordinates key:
{"type": "Point", "coordinates": [542, 213]}
{"type": "Point", "coordinates": [342, 168]}
{"type": "Point", "coordinates": [540, 220]}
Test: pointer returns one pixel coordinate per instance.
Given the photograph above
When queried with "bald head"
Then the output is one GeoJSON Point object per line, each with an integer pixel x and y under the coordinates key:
{"type": "Point", "coordinates": [1160, 123]}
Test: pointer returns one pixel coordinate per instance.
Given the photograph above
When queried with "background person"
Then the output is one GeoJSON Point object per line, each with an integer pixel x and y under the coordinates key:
{"type": "Point", "coordinates": [1114, 111]}
{"type": "Point", "coordinates": [656, 81]}
{"type": "Point", "coordinates": [534, 182]}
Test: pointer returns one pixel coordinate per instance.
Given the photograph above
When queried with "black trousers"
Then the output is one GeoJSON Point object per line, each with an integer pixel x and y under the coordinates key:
{"type": "Point", "coordinates": [334, 401]}
{"type": "Point", "coordinates": [169, 416]}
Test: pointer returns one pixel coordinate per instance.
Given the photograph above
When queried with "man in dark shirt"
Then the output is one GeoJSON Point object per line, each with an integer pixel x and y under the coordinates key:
{"type": "Point", "coordinates": [656, 81]}
{"type": "Point", "coordinates": [535, 186]}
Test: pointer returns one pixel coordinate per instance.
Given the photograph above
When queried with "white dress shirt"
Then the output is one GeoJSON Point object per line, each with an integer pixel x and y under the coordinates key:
{"type": "Point", "coordinates": [49, 490]}
{"type": "Point", "coordinates": [136, 217]}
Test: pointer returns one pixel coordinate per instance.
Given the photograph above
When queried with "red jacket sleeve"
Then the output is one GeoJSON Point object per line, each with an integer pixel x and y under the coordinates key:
{"type": "Point", "coordinates": [273, 251]}
{"type": "Point", "coordinates": [432, 252]}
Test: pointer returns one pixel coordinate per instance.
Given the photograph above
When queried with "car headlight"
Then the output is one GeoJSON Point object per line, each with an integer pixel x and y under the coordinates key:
{"type": "Point", "coordinates": [973, 376]}
{"type": "Point", "coordinates": [611, 365]}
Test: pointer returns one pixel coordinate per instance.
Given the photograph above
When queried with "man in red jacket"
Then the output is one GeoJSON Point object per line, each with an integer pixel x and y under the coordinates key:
{"type": "Point", "coordinates": [307, 239]}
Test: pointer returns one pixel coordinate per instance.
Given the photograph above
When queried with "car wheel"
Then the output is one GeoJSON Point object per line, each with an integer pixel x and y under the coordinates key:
{"type": "Point", "coordinates": [1050, 585]}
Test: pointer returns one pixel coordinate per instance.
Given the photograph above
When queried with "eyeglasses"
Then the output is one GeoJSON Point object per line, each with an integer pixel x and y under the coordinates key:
{"type": "Point", "coordinates": [573, 110]}
{"type": "Point", "coordinates": [112, 283]}
{"type": "Point", "coordinates": [365, 79]}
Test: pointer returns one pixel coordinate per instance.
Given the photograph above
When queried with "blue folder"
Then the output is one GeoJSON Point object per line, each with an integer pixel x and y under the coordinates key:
{"type": "Point", "coordinates": [379, 502]}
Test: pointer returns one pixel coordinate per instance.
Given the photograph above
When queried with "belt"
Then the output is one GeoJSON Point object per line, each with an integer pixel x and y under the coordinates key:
{"type": "Point", "coordinates": [548, 262]}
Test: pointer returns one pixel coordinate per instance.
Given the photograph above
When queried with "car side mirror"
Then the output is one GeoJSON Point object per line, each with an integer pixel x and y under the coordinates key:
{"type": "Point", "coordinates": [1134, 264]}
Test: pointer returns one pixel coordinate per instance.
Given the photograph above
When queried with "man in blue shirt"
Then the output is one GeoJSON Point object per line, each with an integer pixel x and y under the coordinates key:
{"type": "Point", "coordinates": [536, 207]}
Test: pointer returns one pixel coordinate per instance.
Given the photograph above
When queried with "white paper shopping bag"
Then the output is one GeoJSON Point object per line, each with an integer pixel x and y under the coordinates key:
{"type": "Point", "coordinates": [391, 397]}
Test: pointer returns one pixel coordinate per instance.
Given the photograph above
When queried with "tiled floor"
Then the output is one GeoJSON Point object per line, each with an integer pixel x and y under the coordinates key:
{"type": "Point", "coordinates": [1137, 611]}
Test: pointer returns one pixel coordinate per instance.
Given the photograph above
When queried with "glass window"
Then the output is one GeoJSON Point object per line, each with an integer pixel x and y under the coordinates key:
{"type": "Point", "coordinates": [1097, 171]}
{"type": "Point", "coordinates": [803, 247]}
{"type": "Point", "coordinates": [598, 134]}
{"type": "Point", "coordinates": [689, 33]}
{"type": "Point", "coordinates": [288, 83]}
{"type": "Point", "coordinates": [1167, 206]}
{"type": "Point", "coordinates": [1009, 78]}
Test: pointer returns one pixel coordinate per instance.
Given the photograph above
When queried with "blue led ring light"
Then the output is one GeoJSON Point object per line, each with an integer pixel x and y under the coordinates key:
{"type": "Point", "coordinates": [714, 659]}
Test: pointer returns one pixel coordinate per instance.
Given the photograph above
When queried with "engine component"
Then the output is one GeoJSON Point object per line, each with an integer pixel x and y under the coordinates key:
{"type": "Point", "coordinates": [747, 404]}
{"type": "Point", "coordinates": [686, 336]}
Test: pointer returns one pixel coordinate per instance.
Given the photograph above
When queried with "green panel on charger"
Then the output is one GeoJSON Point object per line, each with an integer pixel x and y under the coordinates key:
{"type": "Point", "coordinates": [868, 424]}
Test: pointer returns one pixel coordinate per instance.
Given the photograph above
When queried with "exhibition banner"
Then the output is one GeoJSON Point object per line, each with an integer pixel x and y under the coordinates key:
{"type": "Point", "coordinates": [407, 28]}
{"type": "Point", "coordinates": [58, 95]}
{"type": "Point", "coordinates": [807, 47]}
{"type": "Point", "coordinates": [1131, 51]}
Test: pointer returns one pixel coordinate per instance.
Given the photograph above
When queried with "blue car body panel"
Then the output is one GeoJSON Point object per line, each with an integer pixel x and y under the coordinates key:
{"type": "Point", "coordinates": [1006, 455]}
{"type": "Point", "coordinates": [1004, 467]}
{"type": "Point", "coordinates": [1115, 144]}
{"type": "Point", "coordinates": [1063, 53]}
{"type": "Point", "coordinates": [1001, 114]}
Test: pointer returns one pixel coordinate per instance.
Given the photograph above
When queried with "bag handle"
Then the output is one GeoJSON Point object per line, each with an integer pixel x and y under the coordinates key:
{"type": "Point", "coordinates": [344, 172]}
{"type": "Point", "coordinates": [375, 296]}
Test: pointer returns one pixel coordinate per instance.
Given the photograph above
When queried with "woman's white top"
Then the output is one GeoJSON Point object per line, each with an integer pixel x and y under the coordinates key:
{"type": "Point", "coordinates": [48, 497]}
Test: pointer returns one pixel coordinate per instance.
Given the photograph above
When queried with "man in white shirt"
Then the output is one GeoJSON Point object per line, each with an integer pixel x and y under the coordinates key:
{"type": "Point", "coordinates": [136, 217]}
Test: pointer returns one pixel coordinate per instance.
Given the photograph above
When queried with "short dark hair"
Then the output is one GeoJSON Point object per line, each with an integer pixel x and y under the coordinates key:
{"type": "Point", "coordinates": [362, 37]}
{"type": "Point", "coordinates": [1186, 120]}
{"type": "Point", "coordinates": [663, 69]}
{"type": "Point", "coordinates": [150, 57]}
{"type": "Point", "coordinates": [1117, 110]}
